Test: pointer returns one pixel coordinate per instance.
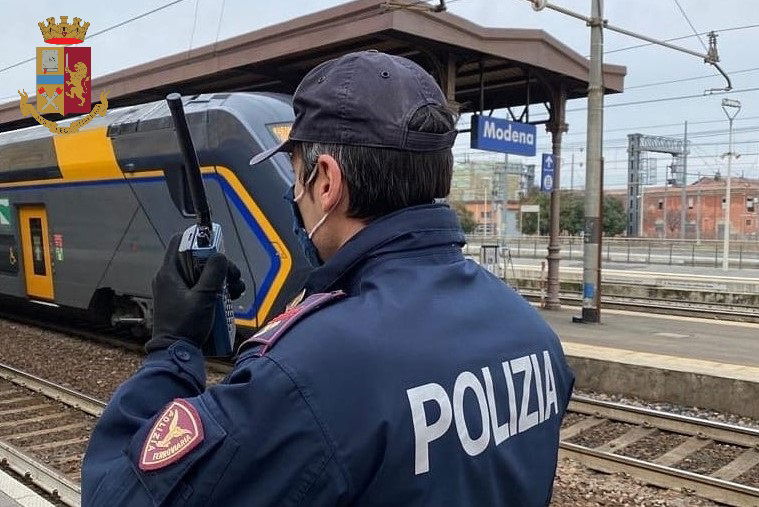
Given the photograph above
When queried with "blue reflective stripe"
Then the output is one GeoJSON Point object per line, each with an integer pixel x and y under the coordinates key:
{"type": "Point", "coordinates": [50, 79]}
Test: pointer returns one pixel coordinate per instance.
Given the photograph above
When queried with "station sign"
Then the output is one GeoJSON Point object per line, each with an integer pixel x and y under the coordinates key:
{"type": "Point", "coordinates": [547, 173]}
{"type": "Point", "coordinates": [504, 136]}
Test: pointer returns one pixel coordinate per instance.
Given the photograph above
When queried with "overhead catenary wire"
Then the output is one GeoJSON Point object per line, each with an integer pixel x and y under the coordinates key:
{"type": "Point", "coordinates": [673, 39]}
{"type": "Point", "coordinates": [682, 80]}
{"type": "Point", "coordinates": [687, 20]}
{"type": "Point", "coordinates": [668, 99]}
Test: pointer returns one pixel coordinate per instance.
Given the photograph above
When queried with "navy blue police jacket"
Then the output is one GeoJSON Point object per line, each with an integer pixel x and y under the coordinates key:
{"type": "Point", "coordinates": [408, 376]}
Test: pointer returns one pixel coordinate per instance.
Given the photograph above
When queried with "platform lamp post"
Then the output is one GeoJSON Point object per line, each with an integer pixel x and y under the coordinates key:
{"type": "Point", "coordinates": [731, 108]}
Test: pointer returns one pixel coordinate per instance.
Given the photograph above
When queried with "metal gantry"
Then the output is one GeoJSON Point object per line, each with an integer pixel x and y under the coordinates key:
{"type": "Point", "coordinates": [638, 144]}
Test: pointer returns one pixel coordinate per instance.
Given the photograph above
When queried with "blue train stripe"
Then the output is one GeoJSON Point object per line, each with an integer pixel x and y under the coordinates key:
{"type": "Point", "coordinates": [253, 225]}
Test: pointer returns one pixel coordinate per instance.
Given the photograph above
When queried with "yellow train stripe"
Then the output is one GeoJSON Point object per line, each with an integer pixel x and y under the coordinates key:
{"type": "Point", "coordinates": [87, 156]}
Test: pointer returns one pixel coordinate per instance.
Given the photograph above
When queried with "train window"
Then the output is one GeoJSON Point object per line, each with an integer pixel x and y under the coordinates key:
{"type": "Point", "coordinates": [8, 254]}
{"type": "Point", "coordinates": [38, 246]}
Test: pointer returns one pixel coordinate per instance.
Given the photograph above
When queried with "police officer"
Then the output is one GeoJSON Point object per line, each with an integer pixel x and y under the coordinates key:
{"type": "Point", "coordinates": [406, 375]}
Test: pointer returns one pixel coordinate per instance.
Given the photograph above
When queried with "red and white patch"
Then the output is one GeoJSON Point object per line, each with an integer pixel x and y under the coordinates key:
{"type": "Point", "coordinates": [176, 432]}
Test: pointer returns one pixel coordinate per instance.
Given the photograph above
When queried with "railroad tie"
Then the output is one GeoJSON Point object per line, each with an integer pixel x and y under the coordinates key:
{"type": "Point", "coordinates": [65, 460]}
{"type": "Point", "coordinates": [14, 400]}
{"type": "Point", "coordinates": [738, 466]}
{"type": "Point", "coordinates": [53, 445]}
{"type": "Point", "coordinates": [682, 451]}
{"type": "Point", "coordinates": [24, 409]}
{"type": "Point", "coordinates": [622, 441]}
{"type": "Point", "coordinates": [47, 431]}
{"type": "Point", "coordinates": [31, 420]}
{"type": "Point", "coordinates": [579, 427]}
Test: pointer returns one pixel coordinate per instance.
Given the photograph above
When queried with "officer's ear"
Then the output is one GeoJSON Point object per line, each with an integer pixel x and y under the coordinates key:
{"type": "Point", "coordinates": [330, 186]}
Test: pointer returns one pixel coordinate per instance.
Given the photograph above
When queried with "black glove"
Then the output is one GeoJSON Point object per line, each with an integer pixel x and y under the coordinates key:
{"type": "Point", "coordinates": [186, 313]}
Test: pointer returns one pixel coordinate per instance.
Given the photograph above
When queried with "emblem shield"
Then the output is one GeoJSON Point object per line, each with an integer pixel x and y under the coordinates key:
{"type": "Point", "coordinates": [63, 80]}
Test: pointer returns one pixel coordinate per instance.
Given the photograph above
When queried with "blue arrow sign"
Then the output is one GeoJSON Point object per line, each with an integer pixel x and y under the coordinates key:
{"type": "Point", "coordinates": [547, 173]}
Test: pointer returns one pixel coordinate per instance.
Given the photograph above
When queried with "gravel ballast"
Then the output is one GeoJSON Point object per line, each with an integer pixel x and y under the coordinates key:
{"type": "Point", "coordinates": [98, 369]}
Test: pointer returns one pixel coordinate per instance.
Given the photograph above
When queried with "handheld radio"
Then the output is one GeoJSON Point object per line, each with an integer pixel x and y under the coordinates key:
{"type": "Point", "coordinates": [203, 239]}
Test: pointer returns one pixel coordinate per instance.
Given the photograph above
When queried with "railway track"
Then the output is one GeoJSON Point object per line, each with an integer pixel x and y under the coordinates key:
{"type": "Point", "coordinates": [714, 460]}
{"type": "Point", "coordinates": [659, 306]}
{"type": "Point", "coordinates": [41, 425]}
{"type": "Point", "coordinates": [44, 429]}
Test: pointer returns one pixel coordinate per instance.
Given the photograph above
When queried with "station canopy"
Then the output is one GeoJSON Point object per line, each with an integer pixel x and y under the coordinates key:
{"type": "Point", "coordinates": [479, 68]}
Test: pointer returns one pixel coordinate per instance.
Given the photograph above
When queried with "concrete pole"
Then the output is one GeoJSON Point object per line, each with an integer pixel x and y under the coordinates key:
{"type": "Point", "coordinates": [640, 211]}
{"type": "Point", "coordinates": [557, 128]}
{"type": "Point", "coordinates": [591, 271]}
{"type": "Point", "coordinates": [572, 173]}
{"type": "Point", "coordinates": [666, 214]}
{"type": "Point", "coordinates": [698, 216]}
{"type": "Point", "coordinates": [726, 214]}
{"type": "Point", "coordinates": [684, 194]}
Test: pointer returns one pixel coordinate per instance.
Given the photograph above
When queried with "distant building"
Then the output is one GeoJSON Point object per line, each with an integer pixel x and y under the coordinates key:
{"type": "Point", "coordinates": [491, 191]}
{"type": "Point", "coordinates": [705, 210]}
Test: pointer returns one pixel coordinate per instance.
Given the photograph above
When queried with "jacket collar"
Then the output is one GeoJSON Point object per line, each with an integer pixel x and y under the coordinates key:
{"type": "Point", "coordinates": [413, 228]}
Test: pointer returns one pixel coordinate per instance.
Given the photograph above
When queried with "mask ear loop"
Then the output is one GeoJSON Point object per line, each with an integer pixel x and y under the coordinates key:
{"type": "Point", "coordinates": [324, 218]}
{"type": "Point", "coordinates": [306, 184]}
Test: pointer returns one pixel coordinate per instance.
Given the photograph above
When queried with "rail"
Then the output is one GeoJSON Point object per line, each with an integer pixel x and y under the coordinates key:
{"type": "Point", "coordinates": [658, 306]}
{"type": "Point", "coordinates": [21, 461]}
{"type": "Point", "coordinates": [663, 471]}
{"type": "Point", "coordinates": [705, 253]}
{"type": "Point", "coordinates": [720, 485]}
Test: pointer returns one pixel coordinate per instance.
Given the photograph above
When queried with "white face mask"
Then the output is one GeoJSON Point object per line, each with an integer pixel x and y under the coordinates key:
{"type": "Point", "coordinates": [322, 219]}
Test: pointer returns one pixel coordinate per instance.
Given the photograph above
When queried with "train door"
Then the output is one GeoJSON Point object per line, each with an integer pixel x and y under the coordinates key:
{"type": "Point", "coordinates": [36, 251]}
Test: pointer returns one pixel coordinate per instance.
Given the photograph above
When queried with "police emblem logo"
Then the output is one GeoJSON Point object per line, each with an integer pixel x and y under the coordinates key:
{"type": "Point", "coordinates": [63, 77]}
{"type": "Point", "coordinates": [177, 431]}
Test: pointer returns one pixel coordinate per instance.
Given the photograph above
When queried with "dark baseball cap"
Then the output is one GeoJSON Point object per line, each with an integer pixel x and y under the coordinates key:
{"type": "Point", "coordinates": [364, 99]}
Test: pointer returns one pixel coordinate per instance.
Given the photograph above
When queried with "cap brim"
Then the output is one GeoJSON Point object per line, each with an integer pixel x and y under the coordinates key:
{"type": "Point", "coordinates": [285, 147]}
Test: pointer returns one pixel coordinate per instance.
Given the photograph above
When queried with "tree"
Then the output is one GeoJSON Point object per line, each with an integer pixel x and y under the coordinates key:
{"type": "Point", "coordinates": [615, 218]}
{"type": "Point", "coordinates": [530, 220]}
{"type": "Point", "coordinates": [572, 214]}
{"type": "Point", "coordinates": [466, 217]}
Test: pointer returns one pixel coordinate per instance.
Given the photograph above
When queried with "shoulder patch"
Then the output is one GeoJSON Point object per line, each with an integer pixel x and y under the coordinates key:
{"type": "Point", "coordinates": [276, 328]}
{"type": "Point", "coordinates": [177, 431]}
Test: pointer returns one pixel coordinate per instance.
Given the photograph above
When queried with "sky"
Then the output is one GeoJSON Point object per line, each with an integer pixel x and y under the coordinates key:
{"type": "Point", "coordinates": [191, 23]}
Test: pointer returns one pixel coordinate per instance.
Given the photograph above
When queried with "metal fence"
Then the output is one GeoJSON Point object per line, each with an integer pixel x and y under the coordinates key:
{"type": "Point", "coordinates": [743, 254]}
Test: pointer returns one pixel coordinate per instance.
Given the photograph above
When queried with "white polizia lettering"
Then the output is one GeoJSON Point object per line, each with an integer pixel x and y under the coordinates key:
{"type": "Point", "coordinates": [472, 446]}
{"type": "Point", "coordinates": [425, 433]}
{"type": "Point", "coordinates": [491, 397]}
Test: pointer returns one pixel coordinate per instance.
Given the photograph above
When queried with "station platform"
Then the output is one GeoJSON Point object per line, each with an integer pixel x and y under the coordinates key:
{"type": "Point", "coordinates": [689, 361]}
{"type": "Point", "coordinates": [15, 494]}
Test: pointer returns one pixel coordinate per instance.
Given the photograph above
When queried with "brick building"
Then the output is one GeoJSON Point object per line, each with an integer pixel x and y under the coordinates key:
{"type": "Point", "coordinates": [491, 191]}
{"type": "Point", "coordinates": [705, 210]}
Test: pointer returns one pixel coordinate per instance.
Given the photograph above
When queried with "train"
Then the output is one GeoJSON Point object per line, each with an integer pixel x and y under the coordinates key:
{"type": "Point", "coordinates": [85, 216]}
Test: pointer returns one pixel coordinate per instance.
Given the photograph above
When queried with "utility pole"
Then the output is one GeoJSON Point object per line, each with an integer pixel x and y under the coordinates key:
{"type": "Point", "coordinates": [731, 108]}
{"type": "Point", "coordinates": [666, 186]}
{"type": "Point", "coordinates": [698, 216]}
{"type": "Point", "coordinates": [641, 209]}
{"type": "Point", "coordinates": [684, 182]}
{"type": "Point", "coordinates": [591, 272]}
{"type": "Point", "coordinates": [594, 161]}
{"type": "Point", "coordinates": [572, 173]}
